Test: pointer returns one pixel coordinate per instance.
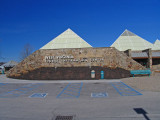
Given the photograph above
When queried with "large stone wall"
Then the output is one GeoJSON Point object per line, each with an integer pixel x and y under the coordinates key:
{"type": "Point", "coordinates": [73, 73]}
{"type": "Point", "coordinates": [47, 61]}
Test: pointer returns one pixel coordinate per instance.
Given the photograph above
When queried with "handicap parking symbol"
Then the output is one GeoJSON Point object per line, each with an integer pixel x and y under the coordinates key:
{"type": "Point", "coordinates": [38, 95]}
{"type": "Point", "coordinates": [99, 95]}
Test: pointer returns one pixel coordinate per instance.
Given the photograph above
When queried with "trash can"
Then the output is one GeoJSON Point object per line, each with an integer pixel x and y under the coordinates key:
{"type": "Point", "coordinates": [2, 71]}
{"type": "Point", "coordinates": [92, 74]}
{"type": "Point", "coordinates": [102, 74]}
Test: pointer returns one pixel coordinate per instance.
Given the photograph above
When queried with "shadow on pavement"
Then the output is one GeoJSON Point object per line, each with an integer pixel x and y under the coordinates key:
{"type": "Point", "coordinates": [141, 111]}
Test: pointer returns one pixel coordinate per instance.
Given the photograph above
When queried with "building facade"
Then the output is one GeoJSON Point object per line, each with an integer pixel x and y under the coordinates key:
{"type": "Point", "coordinates": [68, 57]}
{"type": "Point", "coordinates": [142, 51]}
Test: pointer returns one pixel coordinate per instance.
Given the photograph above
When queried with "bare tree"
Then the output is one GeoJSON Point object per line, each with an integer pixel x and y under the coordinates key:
{"type": "Point", "coordinates": [0, 55]}
{"type": "Point", "coordinates": [27, 50]}
{"type": "Point", "coordinates": [0, 52]}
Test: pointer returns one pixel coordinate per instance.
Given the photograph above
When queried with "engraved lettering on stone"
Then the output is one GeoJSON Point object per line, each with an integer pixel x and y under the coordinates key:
{"type": "Point", "coordinates": [70, 58]}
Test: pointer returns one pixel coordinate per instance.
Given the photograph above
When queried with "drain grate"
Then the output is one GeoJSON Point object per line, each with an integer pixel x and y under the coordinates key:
{"type": "Point", "coordinates": [64, 118]}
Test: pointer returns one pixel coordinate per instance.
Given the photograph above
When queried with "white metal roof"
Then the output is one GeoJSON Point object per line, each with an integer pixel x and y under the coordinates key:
{"type": "Point", "coordinates": [128, 40]}
{"type": "Point", "coordinates": [156, 45]}
{"type": "Point", "coordinates": [144, 54]}
{"type": "Point", "coordinates": [155, 54]}
{"type": "Point", "coordinates": [141, 54]}
{"type": "Point", "coordinates": [157, 42]}
{"type": "Point", "coordinates": [68, 39]}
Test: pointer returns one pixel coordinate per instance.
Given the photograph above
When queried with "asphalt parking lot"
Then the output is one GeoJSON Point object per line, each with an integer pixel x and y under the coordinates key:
{"type": "Point", "coordinates": [67, 90]}
{"type": "Point", "coordinates": [94, 100]}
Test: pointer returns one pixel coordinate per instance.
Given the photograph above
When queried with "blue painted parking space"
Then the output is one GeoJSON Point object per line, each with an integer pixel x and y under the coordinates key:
{"type": "Point", "coordinates": [20, 91]}
{"type": "Point", "coordinates": [1, 84]}
{"type": "Point", "coordinates": [38, 95]}
{"type": "Point", "coordinates": [72, 90]}
{"type": "Point", "coordinates": [99, 95]}
{"type": "Point", "coordinates": [125, 90]}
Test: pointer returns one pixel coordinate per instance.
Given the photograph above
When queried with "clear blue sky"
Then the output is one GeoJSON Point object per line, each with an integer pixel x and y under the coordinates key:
{"type": "Point", "coordinates": [99, 22]}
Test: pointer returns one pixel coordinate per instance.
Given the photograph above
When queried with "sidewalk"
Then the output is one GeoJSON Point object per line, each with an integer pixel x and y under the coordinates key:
{"type": "Point", "coordinates": [144, 83]}
{"type": "Point", "coordinates": [4, 79]}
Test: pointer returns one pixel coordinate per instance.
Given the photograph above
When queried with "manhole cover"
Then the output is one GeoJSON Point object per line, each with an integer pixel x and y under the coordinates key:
{"type": "Point", "coordinates": [64, 118]}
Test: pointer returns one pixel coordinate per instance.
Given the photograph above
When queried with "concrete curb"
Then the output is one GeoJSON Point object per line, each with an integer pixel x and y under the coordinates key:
{"type": "Point", "coordinates": [4, 79]}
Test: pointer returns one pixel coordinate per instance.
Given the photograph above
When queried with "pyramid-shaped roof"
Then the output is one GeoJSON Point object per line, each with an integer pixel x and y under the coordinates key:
{"type": "Point", "coordinates": [156, 45]}
{"type": "Point", "coordinates": [157, 42]}
{"type": "Point", "coordinates": [67, 39]}
{"type": "Point", "coordinates": [128, 40]}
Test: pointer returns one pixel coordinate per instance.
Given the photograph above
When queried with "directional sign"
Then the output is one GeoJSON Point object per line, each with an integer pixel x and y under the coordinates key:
{"type": "Point", "coordinates": [99, 95]}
